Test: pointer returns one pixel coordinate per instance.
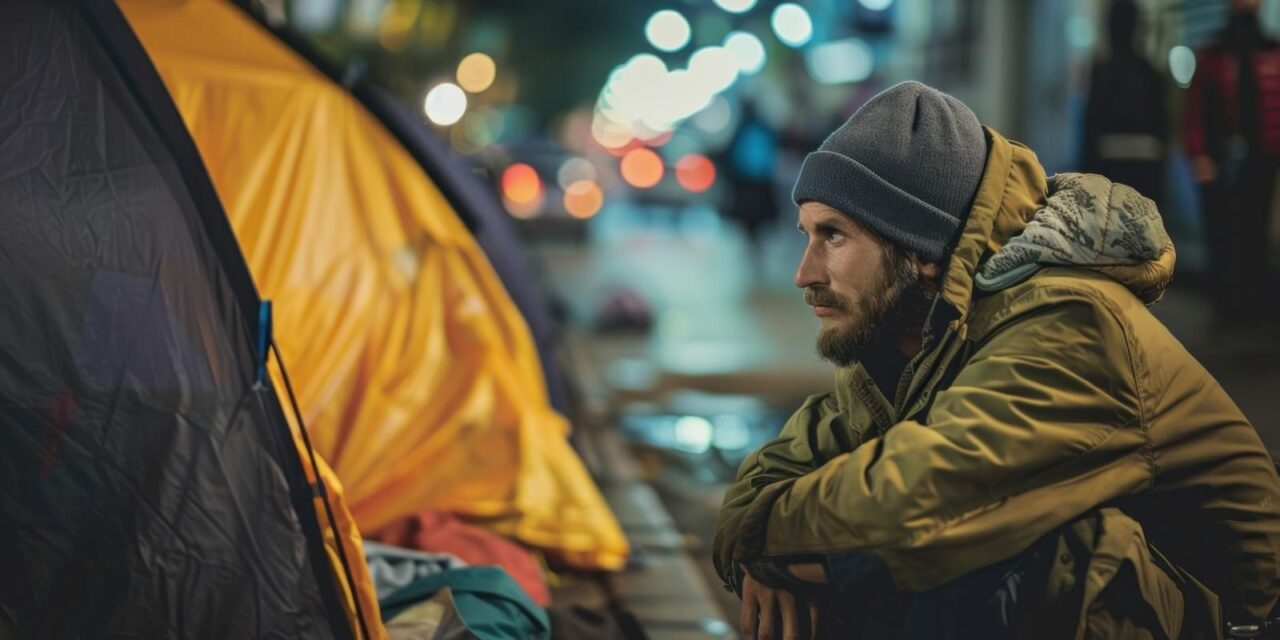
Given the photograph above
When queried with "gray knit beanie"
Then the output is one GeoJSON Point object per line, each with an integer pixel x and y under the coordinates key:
{"type": "Point", "coordinates": [907, 165]}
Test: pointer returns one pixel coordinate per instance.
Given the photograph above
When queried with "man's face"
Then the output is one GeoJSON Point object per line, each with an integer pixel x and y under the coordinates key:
{"type": "Point", "coordinates": [852, 285]}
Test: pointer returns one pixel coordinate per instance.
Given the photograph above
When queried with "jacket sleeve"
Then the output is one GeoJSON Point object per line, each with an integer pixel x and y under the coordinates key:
{"type": "Point", "coordinates": [816, 433]}
{"type": "Point", "coordinates": [1040, 426]}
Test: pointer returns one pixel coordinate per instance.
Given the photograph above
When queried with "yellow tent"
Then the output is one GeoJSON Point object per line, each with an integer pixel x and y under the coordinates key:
{"type": "Point", "coordinates": [416, 374]}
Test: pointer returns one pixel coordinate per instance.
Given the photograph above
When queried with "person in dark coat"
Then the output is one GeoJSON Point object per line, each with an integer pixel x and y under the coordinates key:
{"type": "Point", "coordinates": [752, 156]}
{"type": "Point", "coordinates": [1232, 135]}
{"type": "Point", "coordinates": [1126, 119]}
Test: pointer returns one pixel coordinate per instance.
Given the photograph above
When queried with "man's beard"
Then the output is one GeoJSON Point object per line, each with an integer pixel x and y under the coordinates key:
{"type": "Point", "coordinates": [898, 306]}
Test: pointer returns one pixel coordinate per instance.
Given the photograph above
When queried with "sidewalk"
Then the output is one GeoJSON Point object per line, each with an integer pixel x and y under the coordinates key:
{"type": "Point", "coordinates": [664, 588]}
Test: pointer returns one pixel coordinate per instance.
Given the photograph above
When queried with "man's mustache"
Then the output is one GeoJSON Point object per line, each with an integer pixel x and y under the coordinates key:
{"type": "Point", "coordinates": [815, 297]}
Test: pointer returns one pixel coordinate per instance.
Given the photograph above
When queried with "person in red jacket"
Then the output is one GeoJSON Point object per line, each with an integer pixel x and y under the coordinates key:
{"type": "Point", "coordinates": [1232, 134]}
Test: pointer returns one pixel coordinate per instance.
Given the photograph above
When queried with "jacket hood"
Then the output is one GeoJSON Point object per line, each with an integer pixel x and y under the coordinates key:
{"type": "Point", "coordinates": [1022, 221]}
{"type": "Point", "coordinates": [1090, 222]}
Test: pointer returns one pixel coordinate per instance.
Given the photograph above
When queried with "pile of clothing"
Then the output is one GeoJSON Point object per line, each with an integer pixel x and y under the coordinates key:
{"type": "Point", "coordinates": [439, 577]}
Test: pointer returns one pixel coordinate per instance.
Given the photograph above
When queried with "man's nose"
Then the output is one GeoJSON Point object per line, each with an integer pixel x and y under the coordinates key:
{"type": "Point", "coordinates": [810, 271]}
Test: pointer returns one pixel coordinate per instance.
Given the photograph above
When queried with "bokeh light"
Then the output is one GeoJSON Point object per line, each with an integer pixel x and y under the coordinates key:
{"type": "Point", "coordinates": [747, 51]}
{"type": "Point", "coordinates": [524, 210]}
{"type": "Point", "coordinates": [875, 5]}
{"type": "Point", "coordinates": [521, 184]}
{"type": "Point", "coordinates": [583, 199]}
{"type": "Point", "coordinates": [632, 94]}
{"type": "Point", "coordinates": [839, 62]}
{"type": "Point", "coordinates": [609, 133]}
{"type": "Point", "coordinates": [714, 68]}
{"type": "Point", "coordinates": [462, 140]}
{"type": "Point", "coordinates": [1080, 32]}
{"type": "Point", "coordinates": [658, 139]}
{"type": "Point", "coordinates": [642, 168]}
{"type": "Point", "coordinates": [476, 127]}
{"type": "Point", "coordinates": [625, 149]}
{"type": "Point", "coordinates": [695, 172]}
{"type": "Point", "coordinates": [693, 434]}
{"type": "Point", "coordinates": [643, 100]}
{"type": "Point", "coordinates": [1182, 65]}
{"type": "Point", "coordinates": [715, 117]}
{"type": "Point", "coordinates": [736, 6]}
{"type": "Point", "coordinates": [792, 24]}
{"type": "Point", "coordinates": [522, 192]}
{"type": "Point", "coordinates": [631, 86]}
{"type": "Point", "coordinates": [731, 433]}
{"type": "Point", "coordinates": [445, 104]}
{"type": "Point", "coordinates": [573, 170]}
{"type": "Point", "coordinates": [476, 72]}
{"type": "Point", "coordinates": [397, 22]}
{"type": "Point", "coordinates": [667, 30]}
{"type": "Point", "coordinates": [684, 95]}
{"type": "Point", "coordinates": [319, 15]}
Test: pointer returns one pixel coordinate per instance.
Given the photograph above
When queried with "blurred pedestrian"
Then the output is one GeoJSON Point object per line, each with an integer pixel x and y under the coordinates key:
{"type": "Point", "coordinates": [1126, 117]}
{"type": "Point", "coordinates": [1232, 133]}
{"type": "Point", "coordinates": [752, 159]}
{"type": "Point", "coordinates": [1015, 446]}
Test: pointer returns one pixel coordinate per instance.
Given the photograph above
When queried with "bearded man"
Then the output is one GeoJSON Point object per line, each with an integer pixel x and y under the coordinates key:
{"type": "Point", "coordinates": [1015, 446]}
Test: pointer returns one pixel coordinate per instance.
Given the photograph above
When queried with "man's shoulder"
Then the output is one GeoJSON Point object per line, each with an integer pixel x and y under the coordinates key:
{"type": "Point", "coordinates": [1054, 286]}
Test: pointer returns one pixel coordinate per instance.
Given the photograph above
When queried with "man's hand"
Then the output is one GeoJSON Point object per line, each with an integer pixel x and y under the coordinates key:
{"type": "Point", "coordinates": [809, 572]}
{"type": "Point", "coordinates": [775, 614]}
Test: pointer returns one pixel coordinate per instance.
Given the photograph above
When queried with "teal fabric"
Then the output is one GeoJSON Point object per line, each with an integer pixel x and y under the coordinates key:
{"type": "Point", "coordinates": [489, 601]}
{"type": "Point", "coordinates": [1006, 279]}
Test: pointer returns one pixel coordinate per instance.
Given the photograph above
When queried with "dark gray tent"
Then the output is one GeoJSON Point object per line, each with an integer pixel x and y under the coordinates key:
{"type": "Point", "coordinates": [149, 486]}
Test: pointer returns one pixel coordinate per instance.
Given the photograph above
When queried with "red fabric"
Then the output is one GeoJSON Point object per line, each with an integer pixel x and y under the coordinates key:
{"type": "Point", "coordinates": [1216, 78]}
{"type": "Point", "coordinates": [442, 532]}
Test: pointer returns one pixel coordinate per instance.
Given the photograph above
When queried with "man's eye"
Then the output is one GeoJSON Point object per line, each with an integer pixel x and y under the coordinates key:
{"type": "Point", "coordinates": [835, 236]}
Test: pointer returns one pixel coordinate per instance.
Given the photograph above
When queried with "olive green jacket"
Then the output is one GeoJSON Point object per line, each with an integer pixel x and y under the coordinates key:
{"type": "Point", "coordinates": [1045, 390]}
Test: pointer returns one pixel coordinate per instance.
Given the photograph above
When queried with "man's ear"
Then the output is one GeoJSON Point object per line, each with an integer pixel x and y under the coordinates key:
{"type": "Point", "coordinates": [928, 270]}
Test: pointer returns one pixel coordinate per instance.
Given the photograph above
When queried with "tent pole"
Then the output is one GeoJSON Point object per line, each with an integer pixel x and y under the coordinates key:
{"type": "Point", "coordinates": [322, 493]}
